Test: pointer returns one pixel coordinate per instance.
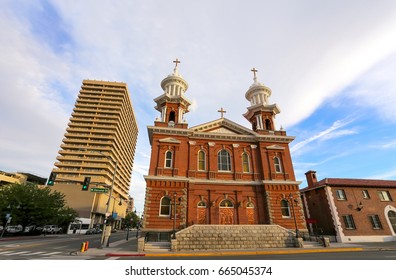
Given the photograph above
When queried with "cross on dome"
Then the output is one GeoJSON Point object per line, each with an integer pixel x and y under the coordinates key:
{"type": "Point", "coordinates": [254, 70]}
{"type": "Point", "coordinates": [176, 62]}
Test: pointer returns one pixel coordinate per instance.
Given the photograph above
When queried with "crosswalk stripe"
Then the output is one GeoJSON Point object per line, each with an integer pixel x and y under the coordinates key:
{"type": "Point", "coordinates": [5, 252]}
{"type": "Point", "coordinates": [51, 253]}
{"type": "Point", "coordinates": [34, 253]}
{"type": "Point", "coordinates": [16, 253]}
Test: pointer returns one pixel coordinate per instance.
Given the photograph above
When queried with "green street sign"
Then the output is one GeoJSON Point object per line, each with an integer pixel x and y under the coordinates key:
{"type": "Point", "coordinates": [99, 190]}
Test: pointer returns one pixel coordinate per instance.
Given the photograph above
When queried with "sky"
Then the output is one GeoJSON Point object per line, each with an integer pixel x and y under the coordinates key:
{"type": "Point", "coordinates": [331, 67]}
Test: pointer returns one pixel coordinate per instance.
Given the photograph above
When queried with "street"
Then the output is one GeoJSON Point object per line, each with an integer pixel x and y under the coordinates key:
{"type": "Point", "coordinates": [62, 246]}
{"type": "Point", "coordinates": [67, 247]}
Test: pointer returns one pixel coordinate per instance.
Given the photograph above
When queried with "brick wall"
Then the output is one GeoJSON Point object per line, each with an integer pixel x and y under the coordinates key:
{"type": "Point", "coordinates": [223, 237]}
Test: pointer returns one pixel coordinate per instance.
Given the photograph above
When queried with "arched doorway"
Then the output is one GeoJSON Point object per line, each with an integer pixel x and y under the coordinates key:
{"type": "Point", "coordinates": [226, 212]}
{"type": "Point", "coordinates": [201, 212]}
{"type": "Point", "coordinates": [250, 213]}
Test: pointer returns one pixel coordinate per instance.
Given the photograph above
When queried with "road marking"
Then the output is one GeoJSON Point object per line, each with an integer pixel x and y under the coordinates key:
{"type": "Point", "coordinates": [34, 253]}
{"type": "Point", "coordinates": [5, 252]}
{"type": "Point", "coordinates": [51, 253]}
{"type": "Point", "coordinates": [16, 253]}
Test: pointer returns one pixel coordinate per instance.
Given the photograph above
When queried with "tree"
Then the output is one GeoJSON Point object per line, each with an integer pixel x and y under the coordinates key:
{"type": "Point", "coordinates": [29, 204]}
{"type": "Point", "coordinates": [131, 220]}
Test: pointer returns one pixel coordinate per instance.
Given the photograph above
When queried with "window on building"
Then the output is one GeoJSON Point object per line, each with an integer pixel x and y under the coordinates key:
{"type": "Point", "coordinates": [165, 206]}
{"type": "Point", "coordinates": [245, 163]}
{"type": "Point", "coordinates": [384, 196]}
{"type": "Point", "coordinates": [285, 208]}
{"type": "Point", "coordinates": [249, 205]}
{"type": "Point", "coordinates": [226, 203]}
{"type": "Point", "coordinates": [172, 116]}
{"type": "Point", "coordinates": [201, 160]}
{"type": "Point", "coordinates": [392, 219]}
{"type": "Point", "coordinates": [340, 195]}
{"type": "Point", "coordinates": [224, 161]}
{"type": "Point", "coordinates": [365, 194]}
{"type": "Point", "coordinates": [349, 222]}
{"type": "Point", "coordinates": [168, 159]}
{"type": "Point", "coordinates": [278, 166]}
{"type": "Point", "coordinates": [201, 204]}
{"type": "Point", "coordinates": [375, 221]}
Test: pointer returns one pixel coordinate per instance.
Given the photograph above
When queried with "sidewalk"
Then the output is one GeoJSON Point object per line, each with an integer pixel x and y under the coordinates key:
{"type": "Point", "coordinates": [121, 249]}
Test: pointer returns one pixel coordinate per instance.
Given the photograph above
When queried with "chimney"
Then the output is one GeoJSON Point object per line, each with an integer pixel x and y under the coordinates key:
{"type": "Point", "coordinates": [311, 178]}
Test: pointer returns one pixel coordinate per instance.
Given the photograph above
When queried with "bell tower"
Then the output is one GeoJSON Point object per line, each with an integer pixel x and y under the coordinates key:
{"type": "Point", "coordinates": [260, 113]}
{"type": "Point", "coordinates": [172, 104]}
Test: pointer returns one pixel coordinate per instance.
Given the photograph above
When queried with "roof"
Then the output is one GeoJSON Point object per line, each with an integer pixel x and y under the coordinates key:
{"type": "Point", "coordinates": [353, 183]}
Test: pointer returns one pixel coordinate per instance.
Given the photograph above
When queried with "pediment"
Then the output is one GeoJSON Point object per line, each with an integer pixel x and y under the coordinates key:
{"type": "Point", "coordinates": [223, 126]}
{"type": "Point", "coordinates": [169, 140]}
{"type": "Point", "coordinates": [275, 147]}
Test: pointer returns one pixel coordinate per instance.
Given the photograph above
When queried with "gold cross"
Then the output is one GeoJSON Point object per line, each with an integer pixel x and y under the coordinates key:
{"type": "Point", "coordinates": [254, 70]}
{"type": "Point", "coordinates": [222, 112]}
{"type": "Point", "coordinates": [177, 61]}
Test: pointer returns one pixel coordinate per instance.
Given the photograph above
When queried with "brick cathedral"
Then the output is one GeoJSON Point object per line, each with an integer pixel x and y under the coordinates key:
{"type": "Point", "coordinates": [219, 172]}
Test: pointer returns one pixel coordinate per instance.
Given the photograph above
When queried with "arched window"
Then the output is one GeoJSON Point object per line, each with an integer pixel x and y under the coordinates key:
{"type": "Point", "coordinates": [285, 208]}
{"type": "Point", "coordinates": [172, 116]}
{"type": "Point", "coordinates": [201, 204]}
{"type": "Point", "coordinates": [165, 206]}
{"type": "Point", "coordinates": [201, 160]}
{"type": "Point", "coordinates": [168, 159]}
{"type": "Point", "coordinates": [268, 125]}
{"type": "Point", "coordinates": [392, 219]}
{"type": "Point", "coordinates": [224, 161]}
{"type": "Point", "coordinates": [245, 163]}
{"type": "Point", "coordinates": [250, 205]}
{"type": "Point", "coordinates": [278, 165]}
{"type": "Point", "coordinates": [226, 203]}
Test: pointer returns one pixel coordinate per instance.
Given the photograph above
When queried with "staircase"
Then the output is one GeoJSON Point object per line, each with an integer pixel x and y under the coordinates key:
{"type": "Point", "coordinates": [312, 244]}
{"type": "Point", "coordinates": [157, 246]}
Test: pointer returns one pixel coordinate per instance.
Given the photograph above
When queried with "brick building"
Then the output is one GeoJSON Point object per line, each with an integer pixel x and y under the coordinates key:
{"type": "Point", "coordinates": [219, 172]}
{"type": "Point", "coordinates": [354, 210]}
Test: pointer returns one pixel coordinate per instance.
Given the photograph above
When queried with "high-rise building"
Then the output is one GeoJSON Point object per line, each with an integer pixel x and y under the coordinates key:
{"type": "Point", "coordinates": [99, 143]}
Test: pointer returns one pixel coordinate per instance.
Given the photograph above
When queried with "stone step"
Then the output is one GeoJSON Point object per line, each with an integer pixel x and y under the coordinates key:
{"type": "Point", "coordinates": [312, 244]}
{"type": "Point", "coordinates": [157, 246]}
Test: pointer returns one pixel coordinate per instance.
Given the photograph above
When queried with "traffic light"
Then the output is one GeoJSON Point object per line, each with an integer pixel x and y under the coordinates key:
{"type": "Point", "coordinates": [86, 183]}
{"type": "Point", "coordinates": [51, 179]}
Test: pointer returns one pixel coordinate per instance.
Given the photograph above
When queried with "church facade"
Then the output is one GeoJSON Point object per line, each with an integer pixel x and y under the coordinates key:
{"type": "Point", "coordinates": [219, 172]}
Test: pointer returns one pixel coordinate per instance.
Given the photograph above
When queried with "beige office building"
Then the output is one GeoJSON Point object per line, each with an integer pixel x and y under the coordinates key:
{"type": "Point", "coordinates": [99, 143]}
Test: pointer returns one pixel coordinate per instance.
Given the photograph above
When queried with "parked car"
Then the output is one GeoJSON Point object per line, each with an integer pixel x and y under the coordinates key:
{"type": "Point", "coordinates": [52, 229]}
{"type": "Point", "coordinates": [33, 230]}
{"type": "Point", "coordinates": [13, 229]}
{"type": "Point", "coordinates": [93, 231]}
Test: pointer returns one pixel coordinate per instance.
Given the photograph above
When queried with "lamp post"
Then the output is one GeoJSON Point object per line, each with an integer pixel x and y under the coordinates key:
{"type": "Point", "coordinates": [294, 214]}
{"type": "Point", "coordinates": [108, 204]}
{"type": "Point", "coordinates": [174, 216]}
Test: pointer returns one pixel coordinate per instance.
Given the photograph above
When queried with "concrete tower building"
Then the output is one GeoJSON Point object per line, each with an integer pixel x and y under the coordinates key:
{"type": "Point", "coordinates": [99, 143]}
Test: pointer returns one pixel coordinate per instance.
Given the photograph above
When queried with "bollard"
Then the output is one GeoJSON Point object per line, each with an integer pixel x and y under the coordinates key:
{"type": "Point", "coordinates": [86, 245]}
{"type": "Point", "coordinates": [82, 247]}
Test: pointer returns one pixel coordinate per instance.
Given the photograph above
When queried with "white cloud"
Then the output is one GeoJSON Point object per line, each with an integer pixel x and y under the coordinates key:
{"type": "Point", "coordinates": [329, 133]}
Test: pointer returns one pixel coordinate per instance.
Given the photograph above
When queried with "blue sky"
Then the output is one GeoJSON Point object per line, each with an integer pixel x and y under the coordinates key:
{"type": "Point", "coordinates": [330, 65]}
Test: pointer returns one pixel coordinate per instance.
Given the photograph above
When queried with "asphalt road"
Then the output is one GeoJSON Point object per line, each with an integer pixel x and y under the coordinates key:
{"type": "Point", "coordinates": [61, 246]}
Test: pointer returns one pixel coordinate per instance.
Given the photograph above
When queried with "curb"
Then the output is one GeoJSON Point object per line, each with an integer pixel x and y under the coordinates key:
{"type": "Point", "coordinates": [243, 253]}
